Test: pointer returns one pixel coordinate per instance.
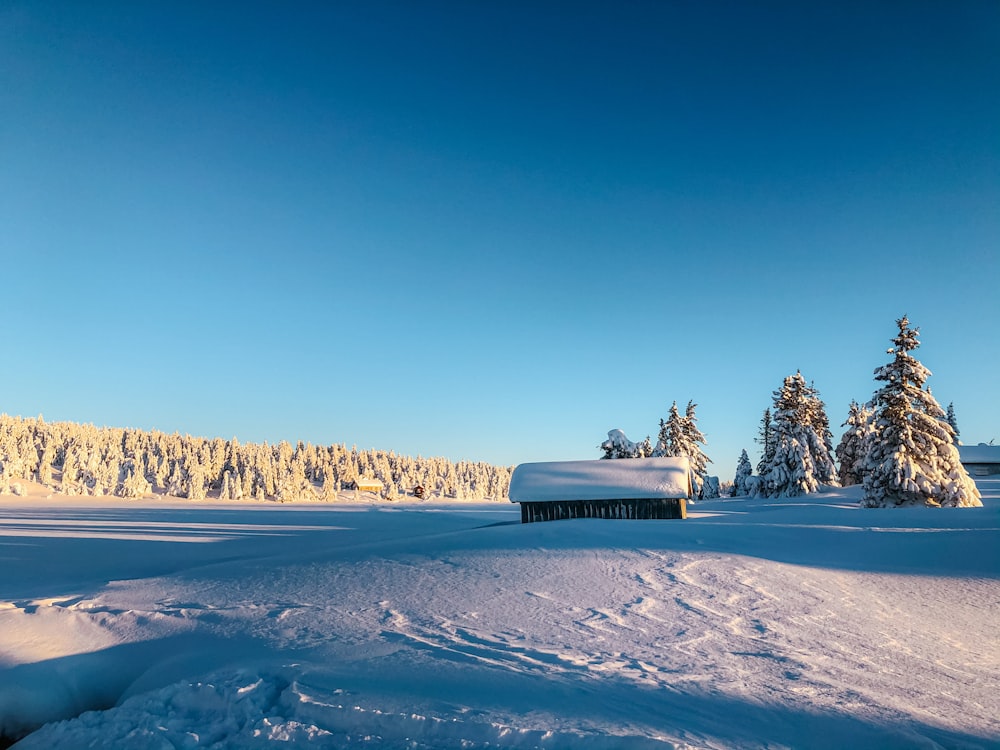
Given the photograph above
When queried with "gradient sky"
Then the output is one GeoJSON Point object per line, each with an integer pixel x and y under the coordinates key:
{"type": "Point", "coordinates": [496, 230]}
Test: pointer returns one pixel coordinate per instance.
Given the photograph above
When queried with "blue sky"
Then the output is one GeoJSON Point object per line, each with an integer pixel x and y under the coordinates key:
{"type": "Point", "coordinates": [492, 231]}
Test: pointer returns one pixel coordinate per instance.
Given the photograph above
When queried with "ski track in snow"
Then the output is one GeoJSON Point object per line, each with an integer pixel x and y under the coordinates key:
{"type": "Point", "coordinates": [444, 629]}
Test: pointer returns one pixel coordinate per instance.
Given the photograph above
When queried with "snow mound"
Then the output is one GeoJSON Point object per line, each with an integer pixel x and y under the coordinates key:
{"type": "Point", "coordinates": [253, 709]}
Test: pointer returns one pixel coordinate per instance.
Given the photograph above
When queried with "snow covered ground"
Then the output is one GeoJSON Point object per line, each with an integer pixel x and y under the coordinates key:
{"type": "Point", "coordinates": [803, 624]}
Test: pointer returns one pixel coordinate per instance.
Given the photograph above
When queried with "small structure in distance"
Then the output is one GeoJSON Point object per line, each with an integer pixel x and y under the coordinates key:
{"type": "Point", "coordinates": [366, 484]}
{"type": "Point", "coordinates": [637, 488]}
{"type": "Point", "coordinates": [981, 460]}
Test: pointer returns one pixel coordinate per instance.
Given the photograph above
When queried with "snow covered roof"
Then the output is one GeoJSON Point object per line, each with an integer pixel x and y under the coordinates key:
{"type": "Point", "coordinates": [979, 454]}
{"type": "Point", "coordinates": [602, 479]}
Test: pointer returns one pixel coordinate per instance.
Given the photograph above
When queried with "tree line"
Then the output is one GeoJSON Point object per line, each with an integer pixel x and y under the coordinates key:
{"type": "Point", "coordinates": [900, 445]}
{"type": "Point", "coordinates": [80, 459]}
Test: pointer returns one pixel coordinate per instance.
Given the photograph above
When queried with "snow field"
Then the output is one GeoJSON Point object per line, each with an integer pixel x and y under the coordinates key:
{"type": "Point", "coordinates": [750, 624]}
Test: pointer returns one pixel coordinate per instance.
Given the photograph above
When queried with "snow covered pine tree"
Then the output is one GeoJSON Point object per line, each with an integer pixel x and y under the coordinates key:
{"type": "Point", "coordinates": [953, 421]}
{"type": "Point", "coordinates": [815, 415]}
{"type": "Point", "coordinates": [743, 472]}
{"type": "Point", "coordinates": [801, 459]}
{"type": "Point", "coordinates": [680, 436]}
{"type": "Point", "coordinates": [853, 444]}
{"type": "Point", "coordinates": [671, 440]}
{"type": "Point", "coordinates": [765, 438]}
{"type": "Point", "coordinates": [694, 437]}
{"type": "Point", "coordinates": [699, 461]}
{"type": "Point", "coordinates": [912, 458]}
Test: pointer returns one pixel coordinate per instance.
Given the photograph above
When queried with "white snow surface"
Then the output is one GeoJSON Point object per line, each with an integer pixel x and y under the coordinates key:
{"type": "Point", "coordinates": [806, 623]}
{"type": "Point", "coordinates": [603, 479]}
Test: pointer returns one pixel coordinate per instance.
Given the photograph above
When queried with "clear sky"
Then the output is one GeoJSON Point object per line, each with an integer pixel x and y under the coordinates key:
{"type": "Point", "coordinates": [492, 230]}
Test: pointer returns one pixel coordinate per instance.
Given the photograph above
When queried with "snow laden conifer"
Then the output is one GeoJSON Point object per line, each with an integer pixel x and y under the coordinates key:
{"type": "Point", "coordinates": [765, 439]}
{"type": "Point", "coordinates": [44, 469]}
{"type": "Point", "coordinates": [133, 483]}
{"type": "Point", "coordinates": [694, 437]}
{"type": "Point", "coordinates": [953, 421]}
{"type": "Point", "coordinates": [815, 417]}
{"type": "Point", "coordinates": [671, 439]}
{"type": "Point", "coordinates": [743, 472]}
{"type": "Point", "coordinates": [619, 446]}
{"type": "Point", "coordinates": [680, 436]}
{"type": "Point", "coordinates": [853, 444]}
{"type": "Point", "coordinates": [912, 458]}
{"type": "Point", "coordinates": [70, 471]}
{"type": "Point", "coordinates": [195, 486]}
{"type": "Point", "coordinates": [645, 448]}
{"type": "Point", "coordinates": [800, 461]}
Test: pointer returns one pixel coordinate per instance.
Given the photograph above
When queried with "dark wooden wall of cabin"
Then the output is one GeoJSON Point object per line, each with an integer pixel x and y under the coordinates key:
{"type": "Point", "coordinates": [557, 510]}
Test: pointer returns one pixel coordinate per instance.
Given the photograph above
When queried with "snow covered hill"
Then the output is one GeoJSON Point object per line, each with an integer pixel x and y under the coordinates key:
{"type": "Point", "coordinates": [800, 624]}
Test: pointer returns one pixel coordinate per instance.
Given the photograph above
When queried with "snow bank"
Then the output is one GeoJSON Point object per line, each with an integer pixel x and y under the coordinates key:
{"type": "Point", "coordinates": [605, 479]}
{"type": "Point", "coordinates": [254, 709]}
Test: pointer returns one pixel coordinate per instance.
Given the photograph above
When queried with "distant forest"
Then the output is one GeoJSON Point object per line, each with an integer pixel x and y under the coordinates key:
{"type": "Point", "coordinates": [80, 459]}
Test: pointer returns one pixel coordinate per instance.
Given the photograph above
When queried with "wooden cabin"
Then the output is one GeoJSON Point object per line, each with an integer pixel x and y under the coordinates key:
{"type": "Point", "coordinates": [980, 460]}
{"type": "Point", "coordinates": [368, 485]}
{"type": "Point", "coordinates": [638, 488]}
